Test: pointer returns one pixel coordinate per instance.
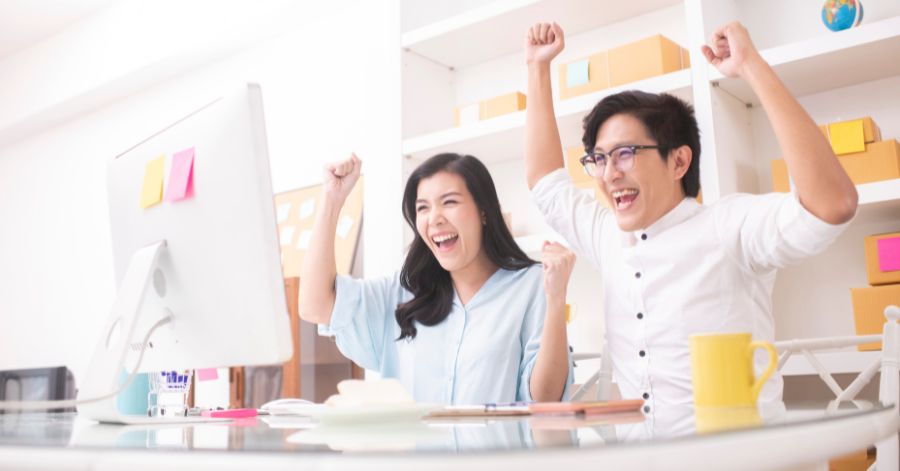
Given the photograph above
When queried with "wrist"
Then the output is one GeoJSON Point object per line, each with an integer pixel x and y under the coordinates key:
{"type": "Point", "coordinates": [538, 65]}
{"type": "Point", "coordinates": [753, 66]}
{"type": "Point", "coordinates": [556, 301]}
{"type": "Point", "coordinates": [332, 205]}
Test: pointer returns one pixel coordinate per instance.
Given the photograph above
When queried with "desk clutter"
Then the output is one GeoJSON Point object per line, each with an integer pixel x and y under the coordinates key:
{"type": "Point", "coordinates": [380, 401]}
{"type": "Point", "coordinates": [883, 269]}
{"type": "Point", "coordinates": [860, 150]}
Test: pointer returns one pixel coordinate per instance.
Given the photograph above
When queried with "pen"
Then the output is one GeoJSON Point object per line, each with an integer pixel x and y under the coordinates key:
{"type": "Point", "coordinates": [520, 405]}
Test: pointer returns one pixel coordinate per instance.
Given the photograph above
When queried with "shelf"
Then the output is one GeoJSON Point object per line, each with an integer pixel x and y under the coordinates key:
{"type": "Point", "coordinates": [828, 62]}
{"type": "Point", "coordinates": [847, 361]}
{"type": "Point", "coordinates": [878, 201]}
{"type": "Point", "coordinates": [502, 139]}
{"type": "Point", "coordinates": [499, 28]}
{"type": "Point", "coordinates": [886, 192]}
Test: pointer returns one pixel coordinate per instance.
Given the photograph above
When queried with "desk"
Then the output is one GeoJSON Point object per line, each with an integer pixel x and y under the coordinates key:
{"type": "Point", "coordinates": [798, 438]}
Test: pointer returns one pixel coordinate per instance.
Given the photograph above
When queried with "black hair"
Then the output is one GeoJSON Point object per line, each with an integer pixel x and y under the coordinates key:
{"type": "Point", "coordinates": [667, 119]}
{"type": "Point", "coordinates": [422, 275]}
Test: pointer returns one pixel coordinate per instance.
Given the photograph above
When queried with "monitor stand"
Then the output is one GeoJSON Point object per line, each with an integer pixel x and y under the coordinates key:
{"type": "Point", "coordinates": [119, 338]}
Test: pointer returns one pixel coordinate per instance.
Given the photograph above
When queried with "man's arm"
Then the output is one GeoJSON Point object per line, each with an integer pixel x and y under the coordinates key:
{"type": "Point", "coordinates": [822, 185]}
{"type": "Point", "coordinates": [543, 150]}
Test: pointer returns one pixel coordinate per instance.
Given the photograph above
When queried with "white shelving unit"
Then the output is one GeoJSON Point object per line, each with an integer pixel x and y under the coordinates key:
{"type": "Point", "coordinates": [505, 135]}
{"type": "Point", "coordinates": [880, 193]}
{"type": "Point", "coordinates": [497, 29]}
{"type": "Point", "coordinates": [471, 55]}
{"type": "Point", "coordinates": [861, 54]}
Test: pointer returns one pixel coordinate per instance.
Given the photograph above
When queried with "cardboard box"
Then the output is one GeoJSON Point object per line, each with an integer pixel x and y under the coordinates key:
{"type": "Point", "coordinates": [883, 259]}
{"type": "Point", "coordinates": [781, 182]}
{"type": "Point", "coordinates": [491, 108]}
{"type": "Point", "coordinates": [598, 76]}
{"type": "Point", "coordinates": [880, 161]}
{"type": "Point", "coordinates": [656, 55]}
{"type": "Point", "coordinates": [685, 58]}
{"type": "Point", "coordinates": [850, 136]}
{"type": "Point", "coordinates": [847, 137]}
{"type": "Point", "coordinates": [871, 132]}
{"type": "Point", "coordinates": [868, 310]}
{"type": "Point", "coordinates": [501, 105]}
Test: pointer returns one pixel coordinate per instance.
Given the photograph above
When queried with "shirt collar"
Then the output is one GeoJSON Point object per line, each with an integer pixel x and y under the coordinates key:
{"type": "Point", "coordinates": [686, 209]}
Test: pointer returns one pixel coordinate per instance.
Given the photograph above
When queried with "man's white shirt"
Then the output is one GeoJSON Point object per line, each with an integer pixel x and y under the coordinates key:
{"type": "Point", "coordinates": [698, 269]}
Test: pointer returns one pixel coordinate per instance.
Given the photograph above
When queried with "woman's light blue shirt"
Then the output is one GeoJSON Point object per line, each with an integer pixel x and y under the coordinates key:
{"type": "Point", "coordinates": [481, 353]}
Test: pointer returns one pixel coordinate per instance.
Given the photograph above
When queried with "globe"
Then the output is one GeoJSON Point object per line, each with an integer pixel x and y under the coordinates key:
{"type": "Point", "coordinates": [839, 15]}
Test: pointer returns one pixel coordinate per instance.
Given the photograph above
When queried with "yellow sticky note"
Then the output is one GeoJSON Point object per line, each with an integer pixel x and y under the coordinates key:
{"type": "Point", "coordinates": [152, 189]}
{"type": "Point", "coordinates": [847, 137]}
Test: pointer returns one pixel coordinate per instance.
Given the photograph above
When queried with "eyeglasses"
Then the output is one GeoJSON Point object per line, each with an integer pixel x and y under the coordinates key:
{"type": "Point", "coordinates": [622, 158]}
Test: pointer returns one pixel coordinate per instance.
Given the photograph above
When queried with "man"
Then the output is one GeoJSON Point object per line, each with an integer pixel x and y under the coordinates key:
{"type": "Point", "coordinates": [670, 266]}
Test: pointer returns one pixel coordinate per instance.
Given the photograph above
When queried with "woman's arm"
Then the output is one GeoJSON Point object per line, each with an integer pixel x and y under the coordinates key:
{"type": "Point", "coordinates": [319, 270]}
{"type": "Point", "coordinates": [548, 380]}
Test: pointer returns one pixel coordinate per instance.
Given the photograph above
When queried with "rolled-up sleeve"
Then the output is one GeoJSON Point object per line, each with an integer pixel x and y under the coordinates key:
{"type": "Point", "coordinates": [775, 229]}
{"type": "Point", "coordinates": [362, 320]}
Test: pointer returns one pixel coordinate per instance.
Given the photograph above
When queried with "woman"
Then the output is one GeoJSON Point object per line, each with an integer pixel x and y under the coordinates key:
{"type": "Point", "coordinates": [464, 321]}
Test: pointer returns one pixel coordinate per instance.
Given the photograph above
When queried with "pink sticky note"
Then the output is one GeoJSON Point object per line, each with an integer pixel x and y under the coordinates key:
{"type": "Point", "coordinates": [889, 254]}
{"type": "Point", "coordinates": [207, 374]}
{"type": "Point", "coordinates": [181, 177]}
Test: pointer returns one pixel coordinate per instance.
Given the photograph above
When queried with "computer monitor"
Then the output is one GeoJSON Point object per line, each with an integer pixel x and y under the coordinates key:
{"type": "Point", "coordinates": [210, 260]}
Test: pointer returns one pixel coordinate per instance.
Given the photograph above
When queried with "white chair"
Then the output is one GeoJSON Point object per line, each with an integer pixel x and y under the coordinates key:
{"type": "Point", "coordinates": [888, 364]}
{"type": "Point", "coordinates": [600, 381]}
{"type": "Point", "coordinates": [888, 454]}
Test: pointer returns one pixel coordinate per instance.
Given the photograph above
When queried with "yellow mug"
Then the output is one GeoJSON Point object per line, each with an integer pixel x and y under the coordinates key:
{"type": "Point", "coordinates": [722, 369]}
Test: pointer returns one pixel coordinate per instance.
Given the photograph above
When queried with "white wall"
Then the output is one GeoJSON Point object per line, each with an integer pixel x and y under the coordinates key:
{"type": "Point", "coordinates": [330, 79]}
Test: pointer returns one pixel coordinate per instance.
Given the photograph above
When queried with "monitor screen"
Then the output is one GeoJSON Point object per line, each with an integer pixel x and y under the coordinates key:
{"type": "Point", "coordinates": [194, 238]}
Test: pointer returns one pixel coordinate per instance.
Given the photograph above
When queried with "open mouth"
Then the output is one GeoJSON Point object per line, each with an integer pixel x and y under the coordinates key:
{"type": "Point", "coordinates": [445, 242]}
{"type": "Point", "coordinates": [624, 198]}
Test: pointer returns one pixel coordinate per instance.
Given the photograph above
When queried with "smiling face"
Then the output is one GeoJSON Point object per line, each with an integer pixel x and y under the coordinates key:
{"type": "Point", "coordinates": [652, 187]}
{"type": "Point", "coordinates": [449, 221]}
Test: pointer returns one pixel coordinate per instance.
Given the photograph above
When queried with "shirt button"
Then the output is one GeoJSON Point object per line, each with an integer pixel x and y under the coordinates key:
{"type": "Point", "coordinates": [643, 236]}
{"type": "Point", "coordinates": [646, 409]}
{"type": "Point", "coordinates": [640, 315]}
{"type": "Point", "coordinates": [642, 353]}
{"type": "Point", "coordinates": [637, 275]}
{"type": "Point", "coordinates": [646, 396]}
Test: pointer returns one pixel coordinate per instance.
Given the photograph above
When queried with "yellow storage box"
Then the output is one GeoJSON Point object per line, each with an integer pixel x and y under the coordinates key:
{"type": "Point", "coordinates": [880, 161]}
{"type": "Point", "coordinates": [503, 104]}
{"type": "Point", "coordinates": [883, 258]}
{"type": "Point", "coordinates": [597, 76]}
{"type": "Point", "coordinates": [868, 310]}
{"type": "Point", "coordinates": [656, 55]}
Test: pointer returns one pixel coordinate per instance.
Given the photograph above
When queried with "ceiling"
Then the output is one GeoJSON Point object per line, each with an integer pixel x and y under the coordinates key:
{"type": "Point", "coordinates": [26, 22]}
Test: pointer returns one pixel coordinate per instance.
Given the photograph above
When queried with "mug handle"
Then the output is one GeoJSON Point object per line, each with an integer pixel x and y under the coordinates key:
{"type": "Point", "coordinates": [773, 362]}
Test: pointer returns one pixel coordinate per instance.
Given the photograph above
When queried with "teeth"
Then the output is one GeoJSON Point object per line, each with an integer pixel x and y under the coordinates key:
{"type": "Point", "coordinates": [621, 193]}
{"type": "Point", "coordinates": [443, 238]}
